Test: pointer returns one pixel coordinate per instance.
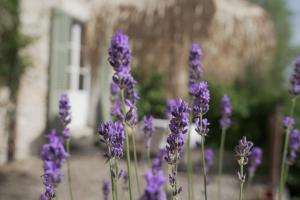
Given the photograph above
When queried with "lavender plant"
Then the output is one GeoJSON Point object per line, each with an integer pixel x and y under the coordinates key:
{"type": "Point", "coordinates": [148, 130]}
{"type": "Point", "coordinates": [125, 95]}
{"type": "Point", "coordinates": [112, 134]}
{"type": "Point", "coordinates": [225, 123]}
{"type": "Point", "coordinates": [294, 91]}
{"type": "Point", "coordinates": [53, 155]}
{"type": "Point", "coordinates": [200, 107]}
{"type": "Point", "coordinates": [195, 76]}
{"type": "Point", "coordinates": [242, 152]}
{"type": "Point", "coordinates": [178, 127]}
{"type": "Point", "coordinates": [65, 119]}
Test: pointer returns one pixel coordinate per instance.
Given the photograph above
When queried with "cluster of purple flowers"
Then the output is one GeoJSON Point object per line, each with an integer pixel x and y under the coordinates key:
{"type": "Point", "coordinates": [288, 122]}
{"type": "Point", "coordinates": [255, 159]}
{"type": "Point", "coordinates": [209, 156]}
{"type": "Point", "coordinates": [53, 155]}
{"type": "Point", "coordinates": [148, 129]}
{"type": "Point", "coordinates": [65, 114]}
{"type": "Point", "coordinates": [112, 133]}
{"type": "Point", "coordinates": [242, 151]}
{"type": "Point", "coordinates": [120, 59]}
{"type": "Point", "coordinates": [195, 67]}
{"type": "Point", "coordinates": [226, 111]}
{"type": "Point", "coordinates": [178, 127]}
{"type": "Point", "coordinates": [106, 189]}
{"type": "Point", "coordinates": [294, 146]}
{"type": "Point", "coordinates": [155, 179]}
{"type": "Point", "coordinates": [295, 78]}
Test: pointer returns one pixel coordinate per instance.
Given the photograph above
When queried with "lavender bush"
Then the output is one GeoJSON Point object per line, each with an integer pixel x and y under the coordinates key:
{"type": "Point", "coordinates": [115, 134]}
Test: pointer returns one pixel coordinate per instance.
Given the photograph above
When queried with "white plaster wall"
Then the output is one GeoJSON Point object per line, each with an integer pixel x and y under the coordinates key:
{"type": "Point", "coordinates": [32, 96]}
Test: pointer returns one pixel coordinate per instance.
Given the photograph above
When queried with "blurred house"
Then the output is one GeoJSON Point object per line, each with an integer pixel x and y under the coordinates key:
{"type": "Point", "coordinates": [69, 53]}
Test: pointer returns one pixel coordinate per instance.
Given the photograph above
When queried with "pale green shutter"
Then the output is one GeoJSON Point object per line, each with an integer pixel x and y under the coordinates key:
{"type": "Point", "coordinates": [59, 60]}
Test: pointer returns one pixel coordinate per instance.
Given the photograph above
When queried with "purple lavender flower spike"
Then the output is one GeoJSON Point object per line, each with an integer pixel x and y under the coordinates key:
{"type": "Point", "coordinates": [53, 155]}
{"type": "Point", "coordinates": [120, 59]}
{"type": "Point", "coordinates": [288, 122]}
{"type": "Point", "coordinates": [154, 188]}
{"type": "Point", "coordinates": [209, 159]}
{"type": "Point", "coordinates": [148, 129]}
{"type": "Point", "coordinates": [195, 67]}
{"type": "Point", "coordinates": [112, 133]}
{"type": "Point", "coordinates": [178, 127]}
{"type": "Point", "coordinates": [255, 160]}
{"type": "Point", "coordinates": [170, 105]}
{"type": "Point", "coordinates": [106, 189]}
{"type": "Point", "coordinates": [158, 160]}
{"type": "Point", "coordinates": [64, 110]}
{"type": "Point", "coordinates": [295, 78]}
{"type": "Point", "coordinates": [201, 100]}
{"type": "Point", "coordinates": [242, 151]}
{"type": "Point", "coordinates": [294, 146]}
{"type": "Point", "coordinates": [119, 52]}
{"type": "Point", "coordinates": [225, 121]}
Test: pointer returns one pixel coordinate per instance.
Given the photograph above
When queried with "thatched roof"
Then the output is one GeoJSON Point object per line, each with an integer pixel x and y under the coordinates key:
{"type": "Point", "coordinates": [233, 33]}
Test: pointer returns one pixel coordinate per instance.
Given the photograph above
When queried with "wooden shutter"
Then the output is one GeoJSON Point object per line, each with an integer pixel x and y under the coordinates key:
{"type": "Point", "coordinates": [59, 60]}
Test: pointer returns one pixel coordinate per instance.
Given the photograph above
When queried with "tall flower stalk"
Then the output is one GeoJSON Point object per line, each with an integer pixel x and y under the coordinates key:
{"type": "Point", "coordinates": [124, 96]}
{"type": "Point", "coordinates": [195, 76]}
{"type": "Point", "coordinates": [148, 130]}
{"type": "Point", "coordinates": [178, 127]}
{"type": "Point", "coordinates": [225, 123]}
{"type": "Point", "coordinates": [53, 155]}
{"type": "Point", "coordinates": [112, 134]}
{"type": "Point", "coordinates": [294, 91]}
{"type": "Point", "coordinates": [242, 151]}
{"type": "Point", "coordinates": [200, 107]}
{"type": "Point", "coordinates": [65, 119]}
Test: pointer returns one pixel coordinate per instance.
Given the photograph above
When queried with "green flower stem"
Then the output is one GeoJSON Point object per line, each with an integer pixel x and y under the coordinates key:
{"type": "Point", "coordinates": [136, 166]}
{"type": "Point", "coordinates": [204, 172]}
{"type": "Point", "coordinates": [221, 154]}
{"type": "Point", "coordinates": [242, 181]}
{"type": "Point", "coordinates": [116, 178]}
{"type": "Point", "coordinates": [249, 185]}
{"type": "Point", "coordinates": [112, 179]}
{"type": "Point", "coordinates": [190, 165]}
{"type": "Point", "coordinates": [148, 157]}
{"type": "Point", "coordinates": [203, 156]}
{"type": "Point", "coordinates": [127, 149]}
{"type": "Point", "coordinates": [284, 155]}
{"type": "Point", "coordinates": [69, 170]}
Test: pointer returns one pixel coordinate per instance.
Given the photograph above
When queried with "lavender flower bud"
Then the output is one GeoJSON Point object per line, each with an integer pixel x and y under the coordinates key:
{"type": "Point", "coordinates": [294, 146]}
{"type": "Point", "coordinates": [158, 160]}
{"type": "Point", "coordinates": [53, 155]}
{"type": "Point", "coordinates": [203, 128]}
{"type": "Point", "coordinates": [64, 110]}
{"type": "Point", "coordinates": [154, 188]}
{"type": "Point", "coordinates": [242, 151]}
{"type": "Point", "coordinates": [119, 52]}
{"type": "Point", "coordinates": [288, 122]}
{"type": "Point", "coordinates": [209, 159]}
{"type": "Point", "coordinates": [106, 189]}
{"type": "Point", "coordinates": [148, 129]}
{"type": "Point", "coordinates": [255, 159]}
{"type": "Point", "coordinates": [178, 127]}
{"type": "Point", "coordinates": [195, 67]}
{"type": "Point", "coordinates": [201, 100]}
{"type": "Point", "coordinates": [170, 105]}
{"type": "Point", "coordinates": [112, 133]}
{"type": "Point", "coordinates": [225, 121]}
{"type": "Point", "coordinates": [295, 78]}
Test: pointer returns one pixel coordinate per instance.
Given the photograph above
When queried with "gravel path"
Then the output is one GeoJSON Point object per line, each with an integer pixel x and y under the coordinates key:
{"type": "Point", "coordinates": [22, 180]}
